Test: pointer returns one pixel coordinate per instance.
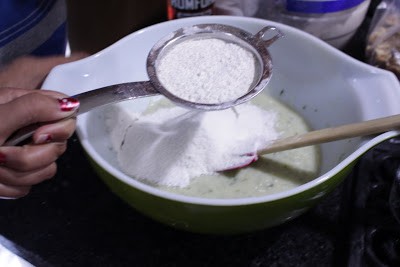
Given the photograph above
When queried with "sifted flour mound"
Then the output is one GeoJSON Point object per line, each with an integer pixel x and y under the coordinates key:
{"type": "Point", "coordinates": [173, 145]}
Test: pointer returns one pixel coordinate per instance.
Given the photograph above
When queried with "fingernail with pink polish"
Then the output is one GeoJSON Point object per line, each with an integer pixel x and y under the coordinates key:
{"type": "Point", "coordinates": [43, 138]}
{"type": "Point", "coordinates": [2, 158]}
{"type": "Point", "coordinates": [68, 104]}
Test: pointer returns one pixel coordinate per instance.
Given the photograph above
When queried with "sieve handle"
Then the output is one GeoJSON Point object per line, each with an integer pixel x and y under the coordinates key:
{"type": "Point", "coordinates": [93, 99]}
{"type": "Point", "coordinates": [269, 35]}
{"type": "Point", "coordinates": [113, 94]}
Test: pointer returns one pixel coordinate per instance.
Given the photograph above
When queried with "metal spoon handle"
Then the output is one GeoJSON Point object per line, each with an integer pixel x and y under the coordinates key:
{"type": "Point", "coordinates": [333, 134]}
{"type": "Point", "coordinates": [93, 99]}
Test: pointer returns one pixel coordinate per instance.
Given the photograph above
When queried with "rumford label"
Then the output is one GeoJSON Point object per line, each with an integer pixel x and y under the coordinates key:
{"type": "Point", "coordinates": [188, 8]}
{"type": "Point", "coordinates": [191, 5]}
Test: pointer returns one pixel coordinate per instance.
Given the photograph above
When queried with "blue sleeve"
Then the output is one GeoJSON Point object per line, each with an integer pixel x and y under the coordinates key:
{"type": "Point", "coordinates": [35, 27]}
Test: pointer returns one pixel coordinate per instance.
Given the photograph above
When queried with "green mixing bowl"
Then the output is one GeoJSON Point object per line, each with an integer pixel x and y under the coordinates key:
{"type": "Point", "coordinates": [325, 86]}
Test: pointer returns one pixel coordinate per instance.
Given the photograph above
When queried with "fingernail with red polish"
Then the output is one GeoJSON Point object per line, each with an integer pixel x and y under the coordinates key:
{"type": "Point", "coordinates": [43, 138]}
{"type": "Point", "coordinates": [2, 158]}
{"type": "Point", "coordinates": [68, 104]}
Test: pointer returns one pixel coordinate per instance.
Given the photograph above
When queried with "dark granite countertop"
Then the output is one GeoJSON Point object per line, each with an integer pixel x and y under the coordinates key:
{"type": "Point", "coordinates": [74, 220]}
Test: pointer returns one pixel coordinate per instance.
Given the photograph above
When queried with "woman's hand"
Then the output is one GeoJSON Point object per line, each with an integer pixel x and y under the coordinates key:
{"type": "Point", "coordinates": [24, 166]}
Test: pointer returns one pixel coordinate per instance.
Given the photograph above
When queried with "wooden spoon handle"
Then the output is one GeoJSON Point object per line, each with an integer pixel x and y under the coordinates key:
{"type": "Point", "coordinates": [333, 134]}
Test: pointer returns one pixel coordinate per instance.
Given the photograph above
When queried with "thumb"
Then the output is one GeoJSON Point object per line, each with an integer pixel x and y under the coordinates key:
{"type": "Point", "coordinates": [33, 108]}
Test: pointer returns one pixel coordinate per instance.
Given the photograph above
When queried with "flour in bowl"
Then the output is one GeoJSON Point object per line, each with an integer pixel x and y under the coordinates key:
{"type": "Point", "coordinates": [271, 173]}
{"type": "Point", "coordinates": [170, 146]}
{"type": "Point", "coordinates": [207, 71]}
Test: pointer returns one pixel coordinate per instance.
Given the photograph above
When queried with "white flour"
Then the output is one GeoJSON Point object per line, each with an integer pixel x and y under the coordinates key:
{"type": "Point", "coordinates": [207, 71]}
{"type": "Point", "coordinates": [173, 145]}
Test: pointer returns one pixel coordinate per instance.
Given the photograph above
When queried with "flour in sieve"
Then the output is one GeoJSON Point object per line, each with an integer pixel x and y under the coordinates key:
{"type": "Point", "coordinates": [207, 71]}
{"type": "Point", "coordinates": [173, 145]}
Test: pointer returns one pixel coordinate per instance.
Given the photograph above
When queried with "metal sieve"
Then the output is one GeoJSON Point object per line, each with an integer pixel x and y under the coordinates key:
{"type": "Point", "coordinates": [256, 44]}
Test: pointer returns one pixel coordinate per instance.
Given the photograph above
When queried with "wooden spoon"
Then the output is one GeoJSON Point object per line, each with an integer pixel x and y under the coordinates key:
{"type": "Point", "coordinates": [333, 134]}
{"type": "Point", "coordinates": [323, 136]}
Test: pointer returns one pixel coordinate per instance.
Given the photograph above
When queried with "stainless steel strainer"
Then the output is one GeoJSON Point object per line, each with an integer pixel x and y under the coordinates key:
{"type": "Point", "coordinates": [257, 44]}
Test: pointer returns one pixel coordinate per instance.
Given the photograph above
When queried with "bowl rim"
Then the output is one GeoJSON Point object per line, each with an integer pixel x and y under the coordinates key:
{"type": "Point", "coordinates": [118, 174]}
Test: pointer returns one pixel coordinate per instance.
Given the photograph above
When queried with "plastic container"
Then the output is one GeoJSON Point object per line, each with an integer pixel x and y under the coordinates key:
{"type": "Point", "coordinates": [333, 21]}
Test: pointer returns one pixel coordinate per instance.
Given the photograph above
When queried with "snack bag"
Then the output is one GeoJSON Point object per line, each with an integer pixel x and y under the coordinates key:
{"type": "Point", "coordinates": [383, 43]}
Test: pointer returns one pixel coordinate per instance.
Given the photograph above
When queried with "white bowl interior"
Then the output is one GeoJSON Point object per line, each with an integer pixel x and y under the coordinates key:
{"type": "Point", "coordinates": [324, 85]}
